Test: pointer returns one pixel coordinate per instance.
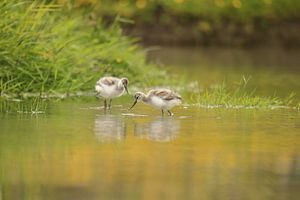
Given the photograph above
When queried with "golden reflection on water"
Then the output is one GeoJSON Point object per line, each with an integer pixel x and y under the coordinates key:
{"type": "Point", "coordinates": [214, 154]}
{"type": "Point", "coordinates": [109, 128]}
{"type": "Point", "coordinates": [162, 129]}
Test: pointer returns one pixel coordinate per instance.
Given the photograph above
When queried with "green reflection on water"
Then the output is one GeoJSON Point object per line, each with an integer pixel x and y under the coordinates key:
{"type": "Point", "coordinates": [76, 150]}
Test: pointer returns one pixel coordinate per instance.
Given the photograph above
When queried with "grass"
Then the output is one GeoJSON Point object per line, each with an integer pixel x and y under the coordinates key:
{"type": "Point", "coordinates": [240, 97]}
{"type": "Point", "coordinates": [48, 48]}
{"type": "Point", "coordinates": [220, 96]}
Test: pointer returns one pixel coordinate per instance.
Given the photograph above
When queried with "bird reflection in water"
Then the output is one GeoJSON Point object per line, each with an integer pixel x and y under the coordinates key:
{"type": "Point", "coordinates": [160, 130]}
{"type": "Point", "coordinates": [109, 128]}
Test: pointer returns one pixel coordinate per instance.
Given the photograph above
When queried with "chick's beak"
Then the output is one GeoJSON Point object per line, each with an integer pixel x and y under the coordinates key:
{"type": "Point", "coordinates": [135, 101]}
{"type": "Point", "coordinates": [125, 86]}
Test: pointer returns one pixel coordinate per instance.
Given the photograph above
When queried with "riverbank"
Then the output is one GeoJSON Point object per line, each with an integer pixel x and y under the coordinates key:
{"type": "Point", "coordinates": [227, 33]}
{"type": "Point", "coordinates": [205, 22]}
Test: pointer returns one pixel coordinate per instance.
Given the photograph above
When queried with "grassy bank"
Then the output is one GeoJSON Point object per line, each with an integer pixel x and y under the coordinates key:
{"type": "Point", "coordinates": [48, 48]}
{"type": "Point", "coordinates": [206, 22]}
{"type": "Point", "coordinates": [240, 10]}
{"type": "Point", "coordinates": [225, 95]}
{"type": "Point", "coordinates": [209, 99]}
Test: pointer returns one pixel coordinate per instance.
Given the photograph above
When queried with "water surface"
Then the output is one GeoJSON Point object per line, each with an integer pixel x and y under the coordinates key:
{"type": "Point", "coordinates": [77, 151]}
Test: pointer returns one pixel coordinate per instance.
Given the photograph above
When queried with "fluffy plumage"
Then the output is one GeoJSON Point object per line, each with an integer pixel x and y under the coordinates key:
{"type": "Point", "coordinates": [111, 87]}
{"type": "Point", "coordinates": [163, 99]}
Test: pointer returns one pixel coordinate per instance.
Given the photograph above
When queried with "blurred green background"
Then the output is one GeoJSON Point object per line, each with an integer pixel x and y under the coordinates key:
{"type": "Point", "coordinates": [204, 22]}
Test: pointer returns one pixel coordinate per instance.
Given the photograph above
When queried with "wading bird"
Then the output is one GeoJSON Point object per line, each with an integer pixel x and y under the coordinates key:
{"type": "Point", "coordinates": [163, 99]}
{"type": "Point", "coordinates": [111, 87]}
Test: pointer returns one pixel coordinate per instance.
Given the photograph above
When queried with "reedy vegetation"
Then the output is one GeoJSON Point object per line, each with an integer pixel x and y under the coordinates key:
{"type": "Point", "coordinates": [48, 48]}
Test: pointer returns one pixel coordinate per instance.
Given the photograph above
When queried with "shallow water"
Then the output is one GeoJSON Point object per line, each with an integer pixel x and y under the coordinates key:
{"type": "Point", "coordinates": [77, 151]}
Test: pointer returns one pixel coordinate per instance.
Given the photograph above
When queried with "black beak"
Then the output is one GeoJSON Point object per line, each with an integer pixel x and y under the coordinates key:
{"type": "Point", "coordinates": [135, 101]}
{"type": "Point", "coordinates": [125, 86]}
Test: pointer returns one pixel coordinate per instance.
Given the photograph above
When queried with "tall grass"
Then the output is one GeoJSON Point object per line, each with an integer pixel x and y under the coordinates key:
{"type": "Point", "coordinates": [48, 48]}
